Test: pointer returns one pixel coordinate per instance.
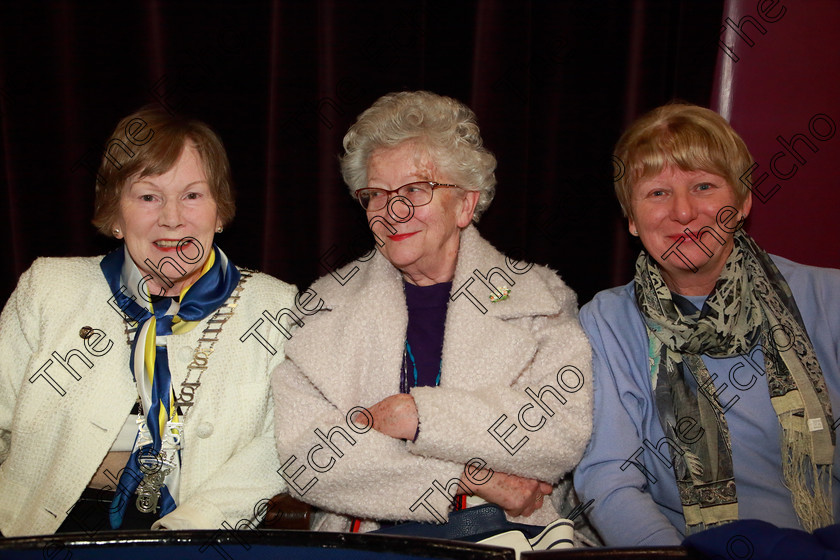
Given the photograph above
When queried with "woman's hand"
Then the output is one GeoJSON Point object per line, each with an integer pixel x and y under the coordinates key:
{"type": "Point", "coordinates": [515, 494]}
{"type": "Point", "coordinates": [395, 416]}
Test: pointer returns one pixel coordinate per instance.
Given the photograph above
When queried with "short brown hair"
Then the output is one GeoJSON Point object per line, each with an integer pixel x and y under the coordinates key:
{"type": "Point", "coordinates": [148, 142]}
{"type": "Point", "coordinates": [687, 136]}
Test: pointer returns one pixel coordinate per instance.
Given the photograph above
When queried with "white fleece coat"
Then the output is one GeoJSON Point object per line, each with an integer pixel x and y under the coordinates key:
{"type": "Point", "coordinates": [51, 443]}
{"type": "Point", "coordinates": [349, 354]}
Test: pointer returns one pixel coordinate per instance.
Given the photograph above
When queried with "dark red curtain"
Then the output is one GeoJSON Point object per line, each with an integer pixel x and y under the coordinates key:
{"type": "Point", "coordinates": [553, 84]}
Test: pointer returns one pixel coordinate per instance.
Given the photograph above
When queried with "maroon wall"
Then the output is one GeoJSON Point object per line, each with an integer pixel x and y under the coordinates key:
{"type": "Point", "coordinates": [778, 83]}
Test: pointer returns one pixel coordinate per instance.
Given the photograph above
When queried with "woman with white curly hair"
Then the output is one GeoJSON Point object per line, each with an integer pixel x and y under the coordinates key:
{"type": "Point", "coordinates": [441, 369]}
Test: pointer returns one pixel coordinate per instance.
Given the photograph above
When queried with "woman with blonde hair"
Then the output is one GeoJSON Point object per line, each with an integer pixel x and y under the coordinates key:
{"type": "Point", "coordinates": [716, 367]}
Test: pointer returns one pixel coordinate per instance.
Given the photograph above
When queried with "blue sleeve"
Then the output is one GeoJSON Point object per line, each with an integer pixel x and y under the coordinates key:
{"type": "Point", "coordinates": [624, 511]}
{"type": "Point", "coordinates": [827, 289]}
{"type": "Point", "coordinates": [817, 294]}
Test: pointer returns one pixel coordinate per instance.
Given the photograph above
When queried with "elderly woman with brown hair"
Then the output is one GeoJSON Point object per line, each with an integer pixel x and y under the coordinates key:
{"type": "Point", "coordinates": [439, 368]}
{"type": "Point", "coordinates": [130, 373]}
{"type": "Point", "coordinates": [716, 367]}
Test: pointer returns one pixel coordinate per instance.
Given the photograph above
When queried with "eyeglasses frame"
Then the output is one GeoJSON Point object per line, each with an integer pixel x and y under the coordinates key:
{"type": "Point", "coordinates": [434, 184]}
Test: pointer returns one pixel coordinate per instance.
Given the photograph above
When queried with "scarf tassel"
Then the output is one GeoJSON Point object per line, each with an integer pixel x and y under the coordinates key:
{"type": "Point", "coordinates": [808, 482]}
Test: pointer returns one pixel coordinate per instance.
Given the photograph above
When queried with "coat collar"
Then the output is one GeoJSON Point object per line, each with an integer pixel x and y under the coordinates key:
{"type": "Point", "coordinates": [477, 259]}
{"type": "Point", "coordinates": [353, 351]}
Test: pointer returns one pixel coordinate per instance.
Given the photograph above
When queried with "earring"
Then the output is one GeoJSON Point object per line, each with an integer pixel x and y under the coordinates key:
{"type": "Point", "coordinates": [116, 231]}
{"type": "Point", "coordinates": [220, 229]}
{"type": "Point", "coordinates": [636, 232]}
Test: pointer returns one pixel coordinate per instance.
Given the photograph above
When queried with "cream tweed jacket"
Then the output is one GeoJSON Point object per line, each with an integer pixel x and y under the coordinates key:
{"type": "Point", "coordinates": [350, 352]}
{"type": "Point", "coordinates": [52, 443]}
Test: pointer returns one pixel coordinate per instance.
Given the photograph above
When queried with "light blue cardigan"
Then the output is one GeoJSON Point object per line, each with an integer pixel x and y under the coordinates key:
{"type": "Point", "coordinates": [632, 510]}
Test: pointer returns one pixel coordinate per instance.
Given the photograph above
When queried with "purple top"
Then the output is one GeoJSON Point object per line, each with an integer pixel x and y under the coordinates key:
{"type": "Point", "coordinates": [424, 334]}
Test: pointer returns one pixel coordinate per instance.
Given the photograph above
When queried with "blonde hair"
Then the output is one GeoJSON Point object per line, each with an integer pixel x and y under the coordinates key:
{"type": "Point", "coordinates": [441, 126]}
{"type": "Point", "coordinates": [689, 137]}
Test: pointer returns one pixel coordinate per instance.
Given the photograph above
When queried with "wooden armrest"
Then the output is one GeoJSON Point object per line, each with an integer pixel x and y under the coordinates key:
{"type": "Point", "coordinates": [285, 512]}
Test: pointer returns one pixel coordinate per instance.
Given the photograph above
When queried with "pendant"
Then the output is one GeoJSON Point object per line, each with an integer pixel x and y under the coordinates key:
{"type": "Point", "coordinates": [148, 491]}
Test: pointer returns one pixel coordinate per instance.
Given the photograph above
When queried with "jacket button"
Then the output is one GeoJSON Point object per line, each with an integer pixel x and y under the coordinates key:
{"type": "Point", "coordinates": [204, 430]}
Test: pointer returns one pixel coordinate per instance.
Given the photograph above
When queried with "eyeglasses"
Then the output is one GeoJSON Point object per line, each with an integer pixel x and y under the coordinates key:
{"type": "Point", "coordinates": [418, 194]}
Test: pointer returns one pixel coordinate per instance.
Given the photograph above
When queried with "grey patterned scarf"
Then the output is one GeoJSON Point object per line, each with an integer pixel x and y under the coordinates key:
{"type": "Point", "coordinates": [751, 303]}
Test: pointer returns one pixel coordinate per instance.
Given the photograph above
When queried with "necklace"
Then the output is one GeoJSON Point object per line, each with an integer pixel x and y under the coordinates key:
{"type": "Point", "coordinates": [409, 361]}
{"type": "Point", "coordinates": [210, 335]}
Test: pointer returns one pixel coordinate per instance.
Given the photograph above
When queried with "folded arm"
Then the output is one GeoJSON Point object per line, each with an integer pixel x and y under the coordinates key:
{"type": "Point", "coordinates": [339, 463]}
{"type": "Point", "coordinates": [536, 428]}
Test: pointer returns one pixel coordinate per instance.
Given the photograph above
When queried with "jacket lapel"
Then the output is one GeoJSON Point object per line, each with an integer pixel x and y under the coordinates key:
{"type": "Point", "coordinates": [353, 350]}
{"type": "Point", "coordinates": [481, 344]}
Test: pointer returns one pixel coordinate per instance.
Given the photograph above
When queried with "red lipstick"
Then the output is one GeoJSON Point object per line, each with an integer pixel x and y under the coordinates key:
{"type": "Point", "coordinates": [401, 236]}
